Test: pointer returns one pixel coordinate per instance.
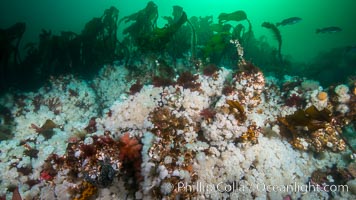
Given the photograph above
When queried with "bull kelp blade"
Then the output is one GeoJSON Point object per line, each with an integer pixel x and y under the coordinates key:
{"type": "Point", "coordinates": [235, 16]}
{"type": "Point", "coordinates": [277, 35]}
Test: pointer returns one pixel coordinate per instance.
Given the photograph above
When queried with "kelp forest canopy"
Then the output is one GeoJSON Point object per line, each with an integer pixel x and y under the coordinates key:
{"type": "Point", "coordinates": [199, 40]}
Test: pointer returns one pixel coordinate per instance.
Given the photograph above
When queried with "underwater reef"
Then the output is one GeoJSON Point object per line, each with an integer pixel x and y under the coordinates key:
{"type": "Point", "coordinates": [116, 138]}
{"type": "Point", "coordinates": [178, 112]}
{"type": "Point", "coordinates": [198, 39]}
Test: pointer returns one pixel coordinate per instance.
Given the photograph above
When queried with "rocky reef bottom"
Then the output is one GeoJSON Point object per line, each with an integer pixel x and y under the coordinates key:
{"type": "Point", "coordinates": [215, 134]}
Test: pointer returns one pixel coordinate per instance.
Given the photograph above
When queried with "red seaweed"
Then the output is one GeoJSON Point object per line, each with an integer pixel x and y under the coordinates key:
{"type": "Point", "coordinates": [135, 88]}
{"type": "Point", "coordinates": [188, 80]}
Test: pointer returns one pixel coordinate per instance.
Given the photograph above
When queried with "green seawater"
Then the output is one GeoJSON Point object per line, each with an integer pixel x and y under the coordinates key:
{"type": "Point", "coordinates": [300, 40]}
{"type": "Point", "coordinates": [302, 47]}
{"type": "Point", "coordinates": [74, 51]}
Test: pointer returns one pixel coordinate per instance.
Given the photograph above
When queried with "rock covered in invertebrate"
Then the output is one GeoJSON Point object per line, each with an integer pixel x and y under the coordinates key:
{"type": "Point", "coordinates": [170, 153]}
{"type": "Point", "coordinates": [249, 83]}
{"type": "Point", "coordinates": [342, 92]}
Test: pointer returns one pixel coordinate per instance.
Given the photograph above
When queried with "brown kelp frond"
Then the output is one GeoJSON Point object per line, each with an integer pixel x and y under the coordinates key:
{"type": "Point", "coordinates": [161, 36]}
{"type": "Point", "coordinates": [144, 20]}
{"type": "Point", "coordinates": [237, 109]}
{"type": "Point", "coordinates": [277, 35]}
{"type": "Point", "coordinates": [144, 31]}
{"type": "Point", "coordinates": [311, 118]}
{"type": "Point", "coordinates": [311, 129]}
{"type": "Point", "coordinates": [234, 16]}
{"type": "Point", "coordinates": [314, 113]}
{"type": "Point", "coordinates": [46, 129]}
